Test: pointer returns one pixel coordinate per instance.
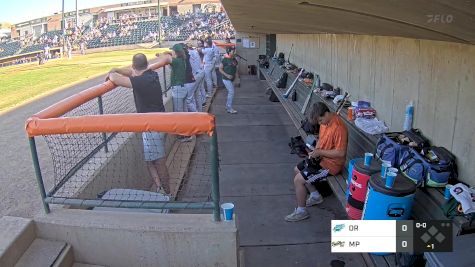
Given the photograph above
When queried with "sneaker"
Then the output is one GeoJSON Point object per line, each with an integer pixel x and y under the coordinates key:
{"type": "Point", "coordinates": [297, 216]}
{"type": "Point", "coordinates": [232, 111]}
{"type": "Point", "coordinates": [185, 139]}
{"type": "Point", "coordinates": [311, 201]}
{"type": "Point", "coordinates": [208, 95]}
{"type": "Point", "coordinates": [161, 190]}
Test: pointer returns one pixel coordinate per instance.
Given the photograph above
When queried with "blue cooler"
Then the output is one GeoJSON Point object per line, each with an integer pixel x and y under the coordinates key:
{"type": "Point", "coordinates": [384, 203]}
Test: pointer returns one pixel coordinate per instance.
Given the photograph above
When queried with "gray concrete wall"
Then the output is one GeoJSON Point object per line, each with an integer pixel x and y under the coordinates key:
{"type": "Point", "coordinates": [142, 239]}
{"type": "Point", "coordinates": [439, 77]}
{"type": "Point", "coordinates": [16, 235]}
{"type": "Point", "coordinates": [251, 54]}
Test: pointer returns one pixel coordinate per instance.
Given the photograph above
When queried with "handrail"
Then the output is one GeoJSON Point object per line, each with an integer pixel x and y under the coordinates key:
{"type": "Point", "coordinates": [183, 123]}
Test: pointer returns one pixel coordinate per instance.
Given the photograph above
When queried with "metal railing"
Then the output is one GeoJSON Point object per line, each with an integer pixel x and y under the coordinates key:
{"type": "Point", "coordinates": [93, 126]}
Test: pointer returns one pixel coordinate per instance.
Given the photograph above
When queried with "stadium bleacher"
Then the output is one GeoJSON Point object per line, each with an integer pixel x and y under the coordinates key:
{"type": "Point", "coordinates": [134, 31]}
{"type": "Point", "coordinates": [9, 48]}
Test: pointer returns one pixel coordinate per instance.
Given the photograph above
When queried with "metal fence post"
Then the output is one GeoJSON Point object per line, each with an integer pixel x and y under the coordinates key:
{"type": "Point", "coordinates": [164, 78]}
{"type": "Point", "coordinates": [101, 111]}
{"type": "Point", "coordinates": [39, 178]}
{"type": "Point", "coordinates": [215, 176]}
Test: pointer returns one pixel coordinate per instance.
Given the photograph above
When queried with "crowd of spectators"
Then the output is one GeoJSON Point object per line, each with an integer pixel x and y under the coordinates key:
{"type": "Point", "coordinates": [200, 24]}
{"type": "Point", "coordinates": [177, 27]}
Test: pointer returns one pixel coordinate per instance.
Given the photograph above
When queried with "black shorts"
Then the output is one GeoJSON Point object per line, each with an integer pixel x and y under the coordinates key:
{"type": "Point", "coordinates": [311, 170]}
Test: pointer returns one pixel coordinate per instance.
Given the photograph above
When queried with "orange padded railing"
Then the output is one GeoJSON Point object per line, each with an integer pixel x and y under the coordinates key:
{"type": "Point", "coordinates": [49, 120]}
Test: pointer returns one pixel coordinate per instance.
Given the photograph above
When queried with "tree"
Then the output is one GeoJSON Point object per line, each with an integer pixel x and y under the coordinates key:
{"type": "Point", "coordinates": [5, 25]}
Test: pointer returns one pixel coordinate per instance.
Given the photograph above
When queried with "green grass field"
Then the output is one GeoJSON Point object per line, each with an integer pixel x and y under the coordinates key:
{"type": "Point", "coordinates": [19, 84]}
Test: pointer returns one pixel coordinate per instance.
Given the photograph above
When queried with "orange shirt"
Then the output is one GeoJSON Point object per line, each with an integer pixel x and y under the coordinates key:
{"type": "Point", "coordinates": [333, 136]}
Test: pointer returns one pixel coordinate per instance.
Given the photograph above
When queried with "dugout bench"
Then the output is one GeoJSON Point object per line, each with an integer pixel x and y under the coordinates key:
{"type": "Point", "coordinates": [428, 201]}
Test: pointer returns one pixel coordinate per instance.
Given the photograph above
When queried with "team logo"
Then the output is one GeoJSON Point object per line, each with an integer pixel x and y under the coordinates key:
{"type": "Point", "coordinates": [338, 244]}
{"type": "Point", "coordinates": [338, 227]}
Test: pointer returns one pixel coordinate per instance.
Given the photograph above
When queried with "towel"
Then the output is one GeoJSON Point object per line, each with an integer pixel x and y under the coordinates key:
{"type": "Point", "coordinates": [465, 196]}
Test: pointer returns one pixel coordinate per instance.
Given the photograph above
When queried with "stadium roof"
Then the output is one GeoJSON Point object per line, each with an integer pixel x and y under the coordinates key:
{"type": "Point", "coordinates": [132, 7]}
{"type": "Point", "coordinates": [443, 20]}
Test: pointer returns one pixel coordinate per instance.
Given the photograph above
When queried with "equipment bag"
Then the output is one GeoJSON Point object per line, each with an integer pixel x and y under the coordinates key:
{"type": "Point", "coordinates": [282, 82]}
{"type": "Point", "coordinates": [391, 145]}
{"type": "Point", "coordinates": [297, 146]}
{"type": "Point", "coordinates": [281, 59]}
{"type": "Point", "coordinates": [273, 97]}
{"type": "Point", "coordinates": [294, 96]}
{"type": "Point", "coordinates": [433, 166]}
{"type": "Point", "coordinates": [309, 128]}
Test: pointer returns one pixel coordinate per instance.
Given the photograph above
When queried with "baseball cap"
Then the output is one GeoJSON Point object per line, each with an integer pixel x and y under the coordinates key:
{"type": "Point", "coordinates": [177, 47]}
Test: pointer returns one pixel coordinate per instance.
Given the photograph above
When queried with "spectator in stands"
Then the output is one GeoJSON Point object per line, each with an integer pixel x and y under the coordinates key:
{"type": "Point", "coordinates": [328, 157]}
{"type": "Point", "coordinates": [228, 69]}
{"type": "Point", "coordinates": [148, 98]}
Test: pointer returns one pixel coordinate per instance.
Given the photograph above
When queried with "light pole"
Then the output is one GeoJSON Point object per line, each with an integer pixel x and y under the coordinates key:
{"type": "Point", "coordinates": [62, 18]}
{"type": "Point", "coordinates": [77, 15]}
{"type": "Point", "coordinates": [63, 28]}
{"type": "Point", "coordinates": [159, 25]}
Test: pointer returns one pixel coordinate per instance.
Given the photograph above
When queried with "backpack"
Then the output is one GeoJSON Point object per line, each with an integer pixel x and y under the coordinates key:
{"type": "Point", "coordinates": [404, 259]}
{"type": "Point", "coordinates": [281, 59]}
{"type": "Point", "coordinates": [273, 97]}
{"type": "Point", "coordinates": [282, 82]}
{"type": "Point", "coordinates": [309, 128]}
{"type": "Point", "coordinates": [391, 145]}
{"type": "Point", "coordinates": [294, 96]}
{"type": "Point", "coordinates": [327, 87]}
{"type": "Point", "coordinates": [297, 146]}
{"type": "Point", "coordinates": [433, 166]}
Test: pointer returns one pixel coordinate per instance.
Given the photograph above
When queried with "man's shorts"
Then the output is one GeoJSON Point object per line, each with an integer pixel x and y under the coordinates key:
{"type": "Point", "coordinates": [153, 145]}
{"type": "Point", "coordinates": [312, 171]}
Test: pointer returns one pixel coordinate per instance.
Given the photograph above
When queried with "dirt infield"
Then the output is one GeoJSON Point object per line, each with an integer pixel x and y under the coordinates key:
{"type": "Point", "coordinates": [19, 195]}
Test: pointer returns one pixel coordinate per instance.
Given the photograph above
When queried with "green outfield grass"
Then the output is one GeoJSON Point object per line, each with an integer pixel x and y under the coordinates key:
{"type": "Point", "coordinates": [22, 83]}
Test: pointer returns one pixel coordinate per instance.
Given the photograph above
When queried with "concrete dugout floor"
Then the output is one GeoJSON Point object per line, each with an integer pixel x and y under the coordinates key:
{"type": "Point", "coordinates": [256, 173]}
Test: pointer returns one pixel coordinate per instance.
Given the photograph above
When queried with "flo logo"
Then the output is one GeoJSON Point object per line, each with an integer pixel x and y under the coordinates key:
{"type": "Point", "coordinates": [445, 19]}
{"type": "Point", "coordinates": [338, 227]}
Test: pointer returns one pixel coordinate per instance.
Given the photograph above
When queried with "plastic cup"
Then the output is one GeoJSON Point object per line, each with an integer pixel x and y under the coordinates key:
{"type": "Point", "coordinates": [228, 210]}
{"type": "Point", "coordinates": [390, 178]}
{"type": "Point", "coordinates": [388, 162]}
{"type": "Point", "coordinates": [392, 169]}
{"type": "Point", "coordinates": [447, 194]}
{"type": "Point", "coordinates": [367, 158]}
{"type": "Point", "coordinates": [384, 168]}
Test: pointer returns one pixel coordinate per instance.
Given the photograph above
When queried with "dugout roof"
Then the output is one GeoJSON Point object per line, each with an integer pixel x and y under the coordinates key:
{"type": "Point", "coordinates": [444, 20]}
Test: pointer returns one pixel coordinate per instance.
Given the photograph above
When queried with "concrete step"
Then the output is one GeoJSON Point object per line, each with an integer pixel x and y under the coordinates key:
{"type": "Point", "coordinates": [77, 264]}
{"type": "Point", "coordinates": [43, 252]}
{"type": "Point", "coordinates": [66, 258]}
{"type": "Point", "coordinates": [16, 235]}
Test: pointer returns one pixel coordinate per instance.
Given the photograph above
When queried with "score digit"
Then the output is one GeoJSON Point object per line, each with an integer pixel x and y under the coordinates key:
{"type": "Point", "coordinates": [419, 225]}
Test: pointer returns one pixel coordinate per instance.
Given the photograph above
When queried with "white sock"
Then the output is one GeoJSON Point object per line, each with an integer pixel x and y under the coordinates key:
{"type": "Point", "coordinates": [315, 194]}
{"type": "Point", "coordinates": [301, 209]}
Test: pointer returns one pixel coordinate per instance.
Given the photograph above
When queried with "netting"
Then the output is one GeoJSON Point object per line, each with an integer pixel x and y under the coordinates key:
{"type": "Point", "coordinates": [128, 168]}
